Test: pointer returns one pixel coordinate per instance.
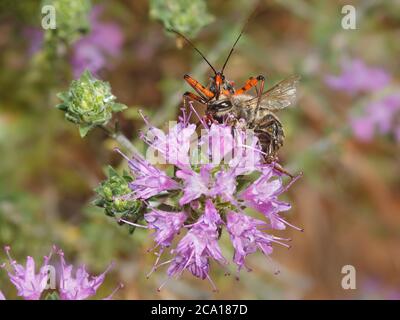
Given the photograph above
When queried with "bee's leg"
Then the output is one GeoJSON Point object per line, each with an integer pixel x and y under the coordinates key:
{"type": "Point", "coordinates": [250, 83]}
{"type": "Point", "coordinates": [279, 168]}
{"type": "Point", "coordinates": [203, 92]}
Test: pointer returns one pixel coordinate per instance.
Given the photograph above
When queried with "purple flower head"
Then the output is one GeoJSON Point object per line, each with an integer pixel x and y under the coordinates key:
{"type": "Point", "coordinates": [93, 50]}
{"type": "Point", "coordinates": [29, 284]}
{"type": "Point", "coordinates": [246, 237]}
{"type": "Point", "coordinates": [204, 185]}
{"type": "Point", "coordinates": [80, 285]}
{"type": "Point", "coordinates": [2, 297]}
{"type": "Point", "coordinates": [356, 77]}
{"type": "Point", "coordinates": [166, 225]}
{"type": "Point", "coordinates": [149, 181]}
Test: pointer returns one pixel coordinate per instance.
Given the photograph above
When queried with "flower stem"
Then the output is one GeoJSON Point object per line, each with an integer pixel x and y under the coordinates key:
{"type": "Point", "coordinates": [121, 139]}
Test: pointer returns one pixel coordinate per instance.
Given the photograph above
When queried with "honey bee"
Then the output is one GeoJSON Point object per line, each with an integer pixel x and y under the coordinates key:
{"type": "Point", "coordinates": [257, 113]}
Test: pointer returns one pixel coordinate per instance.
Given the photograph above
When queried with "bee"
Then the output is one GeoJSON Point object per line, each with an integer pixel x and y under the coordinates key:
{"type": "Point", "coordinates": [257, 113]}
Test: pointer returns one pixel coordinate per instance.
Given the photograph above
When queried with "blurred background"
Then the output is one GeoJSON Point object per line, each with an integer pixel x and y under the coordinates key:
{"type": "Point", "coordinates": [343, 133]}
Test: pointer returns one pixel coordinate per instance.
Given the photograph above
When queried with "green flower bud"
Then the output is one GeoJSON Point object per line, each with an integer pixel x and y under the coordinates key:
{"type": "Point", "coordinates": [71, 20]}
{"type": "Point", "coordinates": [110, 197]}
{"type": "Point", "coordinates": [89, 103]}
{"type": "Point", "coordinates": [185, 16]}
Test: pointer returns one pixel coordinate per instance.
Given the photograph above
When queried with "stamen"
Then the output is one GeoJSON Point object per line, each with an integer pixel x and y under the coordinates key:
{"type": "Point", "coordinates": [162, 263]}
{"type": "Point", "coordinates": [291, 225]}
{"type": "Point", "coordinates": [155, 264]}
{"type": "Point", "coordinates": [198, 116]}
{"type": "Point", "coordinates": [120, 286]}
{"type": "Point", "coordinates": [215, 289]}
{"type": "Point", "coordinates": [163, 284]}
{"type": "Point", "coordinates": [274, 266]}
{"type": "Point", "coordinates": [145, 118]}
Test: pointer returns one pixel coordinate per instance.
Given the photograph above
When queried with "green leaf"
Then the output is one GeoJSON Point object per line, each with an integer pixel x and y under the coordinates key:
{"type": "Point", "coordinates": [62, 107]}
{"type": "Point", "coordinates": [117, 107]}
{"type": "Point", "coordinates": [52, 296]}
{"type": "Point", "coordinates": [83, 130]}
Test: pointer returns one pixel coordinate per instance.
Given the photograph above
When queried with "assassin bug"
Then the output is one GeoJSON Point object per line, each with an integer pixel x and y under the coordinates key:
{"type": "Point", "coordinates": [218, 84]}
{"type": "Point", "coordinates": [224, 102]}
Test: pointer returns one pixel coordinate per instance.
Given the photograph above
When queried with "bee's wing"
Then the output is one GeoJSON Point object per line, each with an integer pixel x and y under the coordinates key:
{"type": "Point", "coordinates": [280, 96]}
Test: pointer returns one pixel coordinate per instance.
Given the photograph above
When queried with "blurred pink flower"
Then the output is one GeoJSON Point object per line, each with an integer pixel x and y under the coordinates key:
{"type": "Point", "coordinates": [2, 297]}
{"type": "Point", "coordinates": [93, 51]}
{"type": "Point", "coordinates": [356, 77]}
{"type": "Point", "coordinates": [35, 38]}
{"type": "Point", "coordinates": [382, 116]}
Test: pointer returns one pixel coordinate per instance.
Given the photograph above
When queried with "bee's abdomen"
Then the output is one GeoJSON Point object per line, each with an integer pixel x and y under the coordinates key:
{"type": "Point", "coordinates": [270, 134]}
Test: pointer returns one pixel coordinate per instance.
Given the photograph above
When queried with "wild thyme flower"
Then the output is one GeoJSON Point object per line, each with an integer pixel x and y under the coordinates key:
{"type": "Point", "coordinates": [29, 284]}
{"type": "Point", "coordinates": [382, 116]}
{"type": "Point", "coordinates": [93, 51]}
{"type": "Point", "coordinates": [76, 285]}
{"type": "Point", "coordinates": [246, 237]}
{"type": "Point", "coordinates": [89, 103]}
{"type": "Point", "coordinates": [166, 225]}
{"type": "Point", "coordinates": [79, 286]}
{"type": "Point", "coordinates": [148, 180]}
{"type": "Point", "coordinates": [224, 175]}
{"type": "Point", "coordinates": [357, 77]}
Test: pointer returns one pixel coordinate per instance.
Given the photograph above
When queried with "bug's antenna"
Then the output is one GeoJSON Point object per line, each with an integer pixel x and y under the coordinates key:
{"type": "Point", "coordinates": [194, 47]}
{"type": "Point", "coordinates": [237, 39]}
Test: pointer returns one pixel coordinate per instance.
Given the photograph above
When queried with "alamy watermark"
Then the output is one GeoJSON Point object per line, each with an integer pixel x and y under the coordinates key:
{"type": "Point", "coordinates": [49, 19]}
{"type": "Point", "coordinates": [349, 280]}
{"type": "Point", "coordinates": [349, 20]}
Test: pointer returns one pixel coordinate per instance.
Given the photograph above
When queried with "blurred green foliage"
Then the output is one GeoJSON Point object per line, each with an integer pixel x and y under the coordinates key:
{"type": "Point", "coordinates": [185, 16]}
{"type": "Point", "coordinates": [71, 20]}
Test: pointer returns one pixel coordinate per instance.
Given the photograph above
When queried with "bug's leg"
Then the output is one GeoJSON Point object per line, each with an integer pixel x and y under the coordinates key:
{"type": "Point", "coordinates": [250, 83]}
{"type": "Point", "coordinates": [203, 92]}
{"type": "Point", "coordinates": [193, 97]}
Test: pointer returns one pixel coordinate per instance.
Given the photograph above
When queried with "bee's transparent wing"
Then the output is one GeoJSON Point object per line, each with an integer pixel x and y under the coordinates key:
{"type": "Point", "coordinates": [280, 96]}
